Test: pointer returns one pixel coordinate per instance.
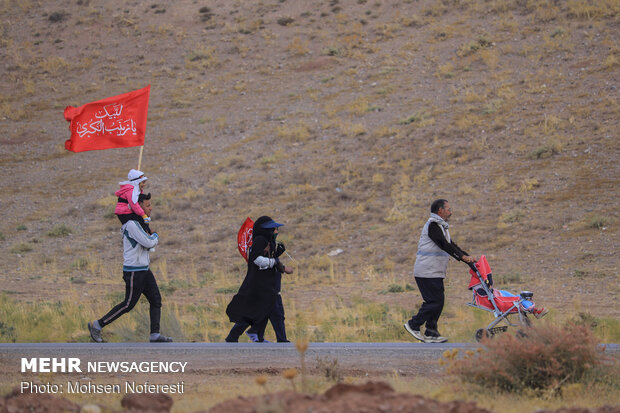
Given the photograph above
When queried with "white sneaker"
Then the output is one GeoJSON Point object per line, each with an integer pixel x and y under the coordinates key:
{"type": "Point", "coordinates": [415, 333]}
{"type": "Point", "coordinates": [435, 339]}
{"type": "Point", "coordinates": [95, 333]}
{"type": "Point", "coordinates": [253, 337]}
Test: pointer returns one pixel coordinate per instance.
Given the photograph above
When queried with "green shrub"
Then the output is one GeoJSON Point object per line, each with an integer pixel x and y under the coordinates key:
{"type": "Point", "coordinates": [416, 117]}
{"type": "Point", "coordinates": [395, 288]}
{"type": "Point", "coordinates": [543, 361]}
{"type": "Point", "coordinates": [285, 21]}
{"type": "Point", "coordinates": [79, 263]}
{"type": "Point", "coordinates": [510, 217]}
{"type": "Point", "coordinates": [585, 319]}
{"type": "Point", "coordinates": [20, 248]}
{"type": "Point", "coordinates": [60, 230]}
{"type": "Point", "coordinates": [598, 222]}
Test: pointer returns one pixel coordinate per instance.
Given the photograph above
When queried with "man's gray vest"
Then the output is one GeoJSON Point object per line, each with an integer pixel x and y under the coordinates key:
{"type": "Point", "coordinates": [431, 261]}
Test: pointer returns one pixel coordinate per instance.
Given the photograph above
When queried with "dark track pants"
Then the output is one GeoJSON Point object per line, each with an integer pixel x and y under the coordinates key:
{"type": "Point", "coordinates": [136, 284]}
{"type": "Point", "coordinates": [432, 291]}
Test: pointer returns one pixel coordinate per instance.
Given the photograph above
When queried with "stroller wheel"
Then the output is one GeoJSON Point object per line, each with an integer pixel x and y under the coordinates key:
{"type": "Point", "coordinates": [482, 333]}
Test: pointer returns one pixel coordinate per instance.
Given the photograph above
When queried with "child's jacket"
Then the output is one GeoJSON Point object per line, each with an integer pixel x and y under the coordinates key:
{"type": "Point", "coordinates": [126, 193]}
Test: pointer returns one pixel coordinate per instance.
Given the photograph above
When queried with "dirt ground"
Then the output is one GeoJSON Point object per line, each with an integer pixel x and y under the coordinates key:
{"type": "Point", "coordinates": [369, 397]}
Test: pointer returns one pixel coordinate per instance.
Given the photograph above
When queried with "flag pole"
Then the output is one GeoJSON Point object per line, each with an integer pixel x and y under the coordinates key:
{"type": "Point", "coordinates": [140, 158]}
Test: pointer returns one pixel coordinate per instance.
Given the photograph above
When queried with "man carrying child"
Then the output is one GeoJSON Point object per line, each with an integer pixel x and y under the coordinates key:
{"type": "Point", "coordinates": [139, 279]}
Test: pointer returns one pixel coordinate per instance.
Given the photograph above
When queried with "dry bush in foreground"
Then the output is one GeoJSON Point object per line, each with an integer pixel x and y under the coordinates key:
{"type": "Point", "coordinates": [544, 361]}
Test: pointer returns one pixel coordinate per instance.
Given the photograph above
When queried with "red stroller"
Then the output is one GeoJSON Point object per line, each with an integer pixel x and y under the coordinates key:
{"type": "Point", "coordinates": [502, 304]}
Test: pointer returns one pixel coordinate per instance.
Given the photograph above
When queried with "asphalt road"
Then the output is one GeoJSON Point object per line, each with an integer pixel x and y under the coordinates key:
{"type": "Point", "coordinates": [229, 358]}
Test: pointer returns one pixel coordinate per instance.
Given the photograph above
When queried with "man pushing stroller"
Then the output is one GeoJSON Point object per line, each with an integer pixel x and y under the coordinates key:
{"type": "Point", "coordinates": [435, 248]}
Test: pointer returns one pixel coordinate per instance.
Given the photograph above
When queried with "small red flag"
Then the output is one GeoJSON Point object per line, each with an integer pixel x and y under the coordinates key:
{"type": "Point", "coordinates": [244, 237]}
{"type": "Point", "coordinates": [114, 122]}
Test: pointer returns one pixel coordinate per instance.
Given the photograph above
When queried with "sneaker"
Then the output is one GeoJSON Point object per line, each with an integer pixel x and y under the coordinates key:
{"type": "Point", "coordinates": [95, 333]}
{"type": "Point", "coordinates": [253, 337]}
{"type": "Point", "coordinates": [435, 339]}
{"type": "Point", "coordinates": [540, 312]}
{"type": "Point", "coordinates": [161, 339]}
{"type": "Point", "coordinates": [413, 332]}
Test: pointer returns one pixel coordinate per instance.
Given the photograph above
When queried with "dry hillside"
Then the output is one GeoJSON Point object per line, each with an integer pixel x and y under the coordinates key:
{"type": "Point", "coordinates": [343, 119]}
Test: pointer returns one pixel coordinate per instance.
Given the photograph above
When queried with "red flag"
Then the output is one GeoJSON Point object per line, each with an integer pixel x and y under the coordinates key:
{"type": "Point", "coordinates": [115, 122]}
{"type": "Point", "coordinates": [244, 237]}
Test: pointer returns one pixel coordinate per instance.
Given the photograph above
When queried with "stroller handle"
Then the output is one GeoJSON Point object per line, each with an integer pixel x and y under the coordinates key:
{"type": "Point", "coordinates": [472, 266]}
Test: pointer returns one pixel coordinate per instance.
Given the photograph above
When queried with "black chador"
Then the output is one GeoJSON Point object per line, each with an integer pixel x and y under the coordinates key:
{"type": "Point", "coordinates": [258, 292]}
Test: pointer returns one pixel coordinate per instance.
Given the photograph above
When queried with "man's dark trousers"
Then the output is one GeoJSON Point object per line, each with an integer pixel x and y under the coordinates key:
{"type": "Point", "coordinates": [432, 291]}
{"type": "Point", "coordinates": [136, 284]}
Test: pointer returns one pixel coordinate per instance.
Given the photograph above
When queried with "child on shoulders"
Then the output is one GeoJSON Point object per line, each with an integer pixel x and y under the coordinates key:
{"type": "Point", "coordinates": [127, 207]}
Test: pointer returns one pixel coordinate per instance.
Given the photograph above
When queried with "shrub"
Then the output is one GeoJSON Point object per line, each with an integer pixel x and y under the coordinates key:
{"type": "Point", "coordinates": [543, 361]}
{"type": "Point", "coordinates": [598, 222]}
{"type": "Point", "coordinates": [542, 152]}
{"type": "Point", "coordinates": [58, 16]}
{"type": "Point", "coordinates": [585, 319]}
{"type": "Point", "coordinates": [417, 117]}
{"type": "Point", "coordinates": [79, 263]}
{"type": "Point", "coordinates": [20, 248]}
{"type": "Point", "coordinates": [395, 288]}
{"type": "Point", "coordinates": [285, 21]}
{"type": "Point", "coordinates": [330, 369]}
{"type": "Point", "coordinates": [60, 230]}
{"type": "Point", "coordinates": [513, 216]}
{"type": "Point", "coordinates": [205, 14]}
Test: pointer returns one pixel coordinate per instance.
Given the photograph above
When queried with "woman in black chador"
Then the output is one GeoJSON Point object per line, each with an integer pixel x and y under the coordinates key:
{"type": "Point", "coordinates": [258, 293]}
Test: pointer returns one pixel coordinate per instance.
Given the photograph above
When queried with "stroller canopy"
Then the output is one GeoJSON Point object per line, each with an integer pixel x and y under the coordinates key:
{"type": "Point", "coordinates": [483, 268]}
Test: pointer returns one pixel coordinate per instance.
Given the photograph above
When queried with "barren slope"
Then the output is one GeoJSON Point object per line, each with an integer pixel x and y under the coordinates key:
{"type": "Point", "coordinates": [343, 119]}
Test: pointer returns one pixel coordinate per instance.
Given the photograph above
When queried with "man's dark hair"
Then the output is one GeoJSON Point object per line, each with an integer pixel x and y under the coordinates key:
{"type": "Point", "coordinates": [436, 205]}
{"type": "Point", "coordinates": [144, 197]}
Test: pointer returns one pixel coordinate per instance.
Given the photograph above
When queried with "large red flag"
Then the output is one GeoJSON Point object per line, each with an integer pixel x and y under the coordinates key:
{"type": "Point", "coordinates": [244, 237]}
{"type": "Point", "coordinates": [115, 122]}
